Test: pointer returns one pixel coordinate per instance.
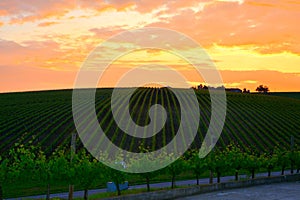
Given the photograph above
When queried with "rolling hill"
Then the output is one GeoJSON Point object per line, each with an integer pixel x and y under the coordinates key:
{"type": "Point", "coordinates": [45, 118]}
{"type": "Point", "coordinates": [294, 95]}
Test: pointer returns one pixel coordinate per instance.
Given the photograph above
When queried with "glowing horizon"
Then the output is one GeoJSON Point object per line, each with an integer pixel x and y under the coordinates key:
{"type": "Point", "coordinates": [44, 43]}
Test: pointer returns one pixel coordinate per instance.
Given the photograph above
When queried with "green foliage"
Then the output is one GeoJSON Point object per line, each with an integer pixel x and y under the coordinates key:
{"type": "Point", "coordinates": [297, 160]}
{"type": "Point", "coordinates": [253, 162]}
{"type": "Point", "coordinates": [282, 159]}
{"type": "Point", "coordinates": [116, 176]}
{"type": "Point", "coordinates": [3, 170]}
{"type": "Point", "coordinates": [89, 170]}
{"type": "Point", "coordinates": [235, 158]}
{"type": "Point", "coordinates": [59, 166]}
{"type": "Point", "coordinates": [176, 168]}
{"type": "Point", "coordinates": [111, 174]}
{"type": "Point", "coordinates": [218, 162]}
{"type": "Point", "coordinates": [3, 174]}
{"type": "Point", "coordinates": [24, 164]}
{"type": "Point", "coordinates": [146, 162]}
{"type": "Point", "coordinates": [268, 162]}
{"type": "Point", "coordinates": [196, 164]}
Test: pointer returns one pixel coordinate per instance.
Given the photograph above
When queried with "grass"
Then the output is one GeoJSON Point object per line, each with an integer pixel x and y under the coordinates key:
{"type": "Point", "coordinates": [13, 190]}
{"type": "Point", "coordinates": [30, 188]}
{"type": "Point", "coordinates": [124, 192]}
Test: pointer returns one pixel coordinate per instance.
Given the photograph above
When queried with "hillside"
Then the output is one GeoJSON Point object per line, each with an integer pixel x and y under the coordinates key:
{"type": "Point", "coordinates": [294, 95]}
{"type": "Point", "coordinates": [253, 120]}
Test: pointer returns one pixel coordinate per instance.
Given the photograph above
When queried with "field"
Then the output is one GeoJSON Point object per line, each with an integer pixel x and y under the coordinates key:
{"type": "Point", "coordinates": [34, 123]}
{"type": "Point", "coordinates": [295, 95]}
{"type": "Point", "coordinates": [253, 120]}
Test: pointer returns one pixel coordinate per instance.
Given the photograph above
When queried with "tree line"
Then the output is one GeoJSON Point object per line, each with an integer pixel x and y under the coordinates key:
{"type": "Point", "coordinates": [29, 163]}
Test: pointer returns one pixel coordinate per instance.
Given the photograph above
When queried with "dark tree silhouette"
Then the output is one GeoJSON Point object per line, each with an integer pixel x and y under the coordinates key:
{"type": "Point", "coordinates": [246, 91]}
{"type": "Point", "coordinates": [262, 89]}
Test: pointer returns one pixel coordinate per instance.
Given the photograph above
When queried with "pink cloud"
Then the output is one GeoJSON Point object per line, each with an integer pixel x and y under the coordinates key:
{"type": "Point", "coordinates": [272, 29]}
{"type": "Point", "coordinates": [23, 11]}
{"type": "Point", "coordinates": [272, 25]}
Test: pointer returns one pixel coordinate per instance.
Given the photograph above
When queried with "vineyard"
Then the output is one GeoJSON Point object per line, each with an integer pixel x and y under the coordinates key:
{"type": "Point", "coordinates": [295, 95]}
{"type": "Point", "coordinates": [36, 129]}
{"type": "Point", "coordinates": [252, 120]}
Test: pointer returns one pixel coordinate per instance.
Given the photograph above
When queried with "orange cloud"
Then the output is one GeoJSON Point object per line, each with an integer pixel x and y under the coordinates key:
{"type": "Point", "coordinates": [289, 5]}
{"type": "Point", "coordinates": [102, 6]}
{"type": "Point", "coordinates": [254, 34]}
{"type": "Point", "coordinates": [106, 32]}
{"type": "Point", "coordinates": [232, 24]}
{"type": "Point", "coordinates": [3, 13]}
{"type": "Point", "coordinates": [141, 6]}
{"type": "Point", "coordinates": [43, 54]}
{"type": "Point", "coordinates": [47, 23]}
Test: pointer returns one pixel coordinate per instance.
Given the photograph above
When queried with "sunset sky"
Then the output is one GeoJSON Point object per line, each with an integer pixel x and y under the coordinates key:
{"type": "Point", "coordinates": [44, 43]}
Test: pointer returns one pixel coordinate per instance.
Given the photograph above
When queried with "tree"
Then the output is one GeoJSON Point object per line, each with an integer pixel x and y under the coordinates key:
{"type": "Point", "coordinates": [118, 177]}
{"type": "Point", "coordinates": [29, 163]}
{"type": "Point", "coordinates": [269, 162]}
{"type": "Point", "coordinates": [211, 165]}
{"type": "Point", "coordinates": [282, 159]}
{"type": "Point", "coordinates": [253, 163]}
{"type": "Point", "coordinates": [246, 91]}
{"type": "Point", "coordinates": [146, 161]}
{"type": "Point", "coordinates": [64, 170]}
{"type": "Point", "coordinates": [262, 89]}
{"type": "Point", "coordinates": [61, 168]}
{"type": "Point", "coordinates": [71, 174]}
{"type": "Point", "coordinates": [114, 168]}
{"type": "Point", "coordinates": [3, 174]}
{"type": "Point", "coordinates": [292, 157]}
{"type": "Point", "coordinates": [197, 165]}
{"type": "Point", "coordinates": [23, 162]}
{"type": "Point", "coordinates": [44, 171]}
{"type": "Point", "coordinates": [297, 160]}
{"type": "Point", "coordinates": [88, 171]}
{"type": "Point", "coordinates": [236, 159]}
{"type": "Point", "coordinates": [221, 163]}
{"type": "Point", "coordinates": [175, 169]}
